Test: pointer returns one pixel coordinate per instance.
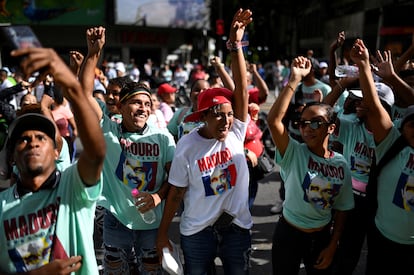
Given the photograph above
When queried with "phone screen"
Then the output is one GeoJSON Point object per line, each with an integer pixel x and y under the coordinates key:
{"type": "Point", "coordinates": [20, 37]}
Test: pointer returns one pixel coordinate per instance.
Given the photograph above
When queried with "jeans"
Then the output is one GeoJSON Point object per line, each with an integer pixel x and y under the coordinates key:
{"type": "Point", "coordinates": [291, 246]}
{"type": "Point", "coordinates": [232, 245]}
{"type": "Point", "coordinates": [129, 251]}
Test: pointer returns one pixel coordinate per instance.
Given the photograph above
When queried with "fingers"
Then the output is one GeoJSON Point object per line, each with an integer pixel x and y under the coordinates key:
{"type": "Point", "coordinates": [74, 263]}
{"type": "Point", "coordinates": [37, 59]}
{"type": "Point", "coordinates": [242, 18]}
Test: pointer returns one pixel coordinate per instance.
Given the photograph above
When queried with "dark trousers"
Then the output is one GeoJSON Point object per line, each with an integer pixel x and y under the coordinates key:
{"type": "Point", "coordinates": [292, 246]}
{"type": "Point", "coordinates": [386, 256]}
{"type": "Point", "coordinates": [352, 239]}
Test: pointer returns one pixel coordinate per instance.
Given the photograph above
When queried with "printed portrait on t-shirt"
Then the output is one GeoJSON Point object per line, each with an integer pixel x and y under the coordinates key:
{"type": "Point", "coordinates": [136, 173]}
{"type": "Point", "coordinates": [221, 180]}
{"type": "Point", "coordinates": [31, 255]}
{"type": "Point", "coordinates": [404, 193]}
{"type": "Point", "coordinates": [319, 191]}
{"type": "Point", "coordinates": [360, 166]}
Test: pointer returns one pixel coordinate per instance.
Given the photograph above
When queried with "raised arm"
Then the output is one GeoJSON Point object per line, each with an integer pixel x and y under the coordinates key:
{"type": "Point", "coordinates": [404, 94]}
{"type": "Point", "coordinates": [259, 82]}
{"type": "Point", "coordinates": [221, 71]}
{"type": "Point", "coordinates": [95, 38]}
{"type": "Point", "coordinates": [378, 118]}
{"type": "Point", "coordinates": [300, 67]}
{"type": "Point", "coordinates": [46, 61]}
{"type": "Point", "coordinates": [238, 65]}
{"type": "Point", "coordinates": [337, 90]}
{"type": "Point", "coordinates": [339, 41]}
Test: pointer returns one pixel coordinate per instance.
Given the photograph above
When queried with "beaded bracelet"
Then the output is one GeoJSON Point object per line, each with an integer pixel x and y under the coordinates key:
{"type": "Point", "coordinates": [234, 46]}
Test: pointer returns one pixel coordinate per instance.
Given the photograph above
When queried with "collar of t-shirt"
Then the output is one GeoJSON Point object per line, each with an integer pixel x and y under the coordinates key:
{"type": "Point", "coordinates": [50, 183]}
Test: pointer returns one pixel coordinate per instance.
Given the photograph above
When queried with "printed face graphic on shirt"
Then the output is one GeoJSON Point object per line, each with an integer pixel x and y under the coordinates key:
{"type": "Point", "coordinates": [360, 166]}
{"type": "Point", "coordinates": [134, 175]}
{"type": "Point", "coordinates": [319, 192]}
{"type": "Point", "coordinates": [137, 174]}
{"type": "Point", "coordinates": [29, 256]}
{"type": "Point", "coordinates": [404, 193]}
{"type": "Point", "coordinates": [408, 195]}
{"type": "Point", "coordinates": [220, 181]}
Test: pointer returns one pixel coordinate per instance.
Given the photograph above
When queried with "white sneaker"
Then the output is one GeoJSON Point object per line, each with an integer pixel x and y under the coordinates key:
{"type": "Point", "coordinates": [277, 208]}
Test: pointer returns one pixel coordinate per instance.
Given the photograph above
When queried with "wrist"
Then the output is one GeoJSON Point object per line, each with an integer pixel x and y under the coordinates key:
{"type": "Point", "coordinates": [234, 46]}
{"type": "Point", "coordinates": [218, 65]}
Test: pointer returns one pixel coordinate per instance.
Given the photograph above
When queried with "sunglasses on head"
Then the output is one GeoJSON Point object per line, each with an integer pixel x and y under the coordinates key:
{"type": "Point", "coordinates": [313, 124]}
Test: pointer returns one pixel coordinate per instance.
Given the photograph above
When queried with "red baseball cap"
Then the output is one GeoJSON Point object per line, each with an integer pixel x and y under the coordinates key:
{"type": "Point", "coordinates": [209, 98]}
{"type": "Point", "coordinates": [166, 88]}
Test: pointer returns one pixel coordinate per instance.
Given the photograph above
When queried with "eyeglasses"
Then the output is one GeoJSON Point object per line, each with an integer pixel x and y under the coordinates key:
{"type": "Point", "coordinates": [313, 124]}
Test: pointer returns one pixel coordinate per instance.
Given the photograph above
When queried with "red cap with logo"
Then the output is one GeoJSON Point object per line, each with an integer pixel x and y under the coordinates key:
{"type": "Point", "coordinates": [209, 98]}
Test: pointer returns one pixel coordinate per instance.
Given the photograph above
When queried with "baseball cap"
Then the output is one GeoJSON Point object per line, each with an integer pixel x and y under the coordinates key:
{"type": "Point", "coordinates": [166, 88]}
{"type": "Point", "coordinates": [323, 64]}
{"type": "Point", "coordinates": [209, 98]}
{"type": "Point", "coordinates": [7, 70]}
{"type": "Point", "coordinates": [133, 88]}
{"type": "Point", "coordinates": [384, 93]}
{"type": "Point", "coordinates": [30, 121]}
{"type": "Point", "coordinates": [98, 86]}
{"type": "Point", "coordinates": [356, 93]}
{"type": "Point", "coordinates": [119, 66]}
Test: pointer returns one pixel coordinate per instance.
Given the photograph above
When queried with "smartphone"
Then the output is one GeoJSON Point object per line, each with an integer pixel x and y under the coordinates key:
{"type": "Point", "coordinates": [19, 37]}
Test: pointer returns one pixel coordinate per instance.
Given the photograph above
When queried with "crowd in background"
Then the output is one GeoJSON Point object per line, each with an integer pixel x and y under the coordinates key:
{"type": "Point", "coordinates": [341, 131]}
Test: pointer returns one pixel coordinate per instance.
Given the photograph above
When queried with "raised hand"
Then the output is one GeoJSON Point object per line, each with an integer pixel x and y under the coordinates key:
{"type": "Point", "coordinates": [75, 61]}
{"type": "Point", "coordinates": [300, 67]}
{"type": "Point", "coordinates": [385, 68]}
{"type": "Point", "coordinates": [95, 38]}
{"type": "Point", "coordinates": [240, 20]}
{"type": "Point", "coordinates": [340, 39]}
{"type": "Point", "coordinates": [359, 53]}
{"type": "Point", "coordinates": [215, 61]}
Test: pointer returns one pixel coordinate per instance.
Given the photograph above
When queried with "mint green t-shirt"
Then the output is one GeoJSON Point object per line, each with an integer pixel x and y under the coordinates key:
{"type": "Point", "coordinates": [134, 160]}
{"type": "Point", "coordinates": [395, 213]}
{"type": "Point", "coordinates": [314, 185]}
{"type": "Point", "coordinates": [358, 150]}
{"type": "Point", "coordinates": [53, 223]}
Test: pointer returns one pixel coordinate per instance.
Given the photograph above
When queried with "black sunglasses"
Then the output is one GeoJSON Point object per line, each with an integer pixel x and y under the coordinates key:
{"type": "Point", "coordinates": [313, 124]}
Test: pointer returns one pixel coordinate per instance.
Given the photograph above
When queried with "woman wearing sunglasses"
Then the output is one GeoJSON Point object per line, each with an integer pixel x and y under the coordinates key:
{"type": "Point", "coordinates": [317, 181]}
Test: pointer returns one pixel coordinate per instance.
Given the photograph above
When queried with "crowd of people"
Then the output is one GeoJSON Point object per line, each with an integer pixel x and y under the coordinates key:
{"type": "Point", "coordinates": [344, 145]}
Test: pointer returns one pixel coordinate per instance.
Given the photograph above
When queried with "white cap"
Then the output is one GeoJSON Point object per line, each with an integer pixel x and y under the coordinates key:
{"type": "Point", "coordinates": [323, 64]}
{"type": "Point", "coordinates": [119, 66]}
{"type": "Point", "coordinates": [7, 70]}
{"type": "Point", "coordinates": [384, 93]}
{"type": "Point", "coordinates": [98, 86]}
